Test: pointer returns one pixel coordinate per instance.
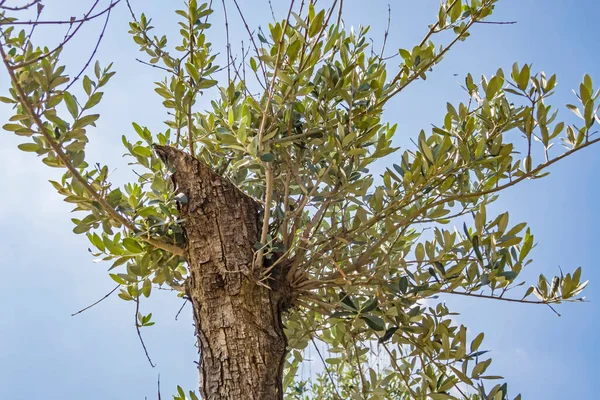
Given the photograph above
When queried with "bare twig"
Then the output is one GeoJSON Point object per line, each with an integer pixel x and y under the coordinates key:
{"type": "Point", "coordinates": [19, 8]}
{"type": "Point", "coordinates": [359, 365]}
{"type": "Point", "coordinates": [243, 66]}
{"type": "Point", "coordinates": [153, 65]}
{"type": "Point", "coordinates": [387, 32]}
{"type": "Point", "coordinates": [497, 22]}
{"type": "Point", "coordinates": [158, 387]}
{"type": "Point", "coordinates": [137, 328]}
{"type": "Point", "coordinates": [97, 302]}
{"type": "Point", "coordinates": [228, 43]}
{"type": "Point", "coordinates": [85, 18]}
{"type": "Point", "coordinates": [326, 368]}
{"type": "Point", "coordinates": [93, 52]}
{"type": "Point", "coordinates": [181, 309]}
{"type": "Point", "coordinates": [272, 12]}
{"type": "Point", "coordinates": [340, 11]}
{"type": "Point", "coordinates": [243, 18]}
{"type": "Point", "coordinates": [40, 7]}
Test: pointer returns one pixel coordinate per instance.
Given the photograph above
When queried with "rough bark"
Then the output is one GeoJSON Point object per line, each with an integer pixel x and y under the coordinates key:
{"type": "Point", "coordinates": [238, 322]}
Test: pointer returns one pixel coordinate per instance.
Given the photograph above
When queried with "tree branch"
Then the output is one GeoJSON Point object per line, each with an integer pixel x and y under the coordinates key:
{"type": "Point", "coordinates": [97, 302]}
{"type": "Point", "coordinates": [76, 175]}
{"type": "Point", "coordinates": [489, 297]}
{"type": "Point", "coordinates": [93, 52]}
{"type": "Point", "coordinates": [20, 8]}
{"type": "Point", "coordinates": [85, 18]}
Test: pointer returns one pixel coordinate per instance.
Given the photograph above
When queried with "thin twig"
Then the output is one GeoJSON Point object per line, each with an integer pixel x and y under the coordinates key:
{"type": "Point", "coordinates": [93, 52]}
{"type": "Point", "coordinates": [272, 12]}
{"type": "Point", "coordinates": [68, 37]}
{"type": "Point", "coordinates": [19, 8]}
{"type": "Point", "coordinates": [359, 365]}
{"type": "Point", "coordinates": [387, 32]}
{"type": "Point", "coordinates": [181, 309]}
{"type": "Point", "coordinates": [40, 7]}
{"type": "Point", "coordinates": [489, 297]}
{"type": "Point", "coordinates": [158, 386]}
{"type": "Point", "coordinates": [243, 18]}
{"type": "Point", "coordinates": [326, 367]}
{"type": "Point", "coordinates": [97, 302]}
{"type": "Point", "coordinates": [70, 21]}
{"type": "Point", "coordinates": [137, 328]}
{"type": "Point", "coordinates": [339, 16]}
{"type": "Point", "coordinates": [496, 22]}
{"type": "Point", "coordinates": [153, 65]}
{"type": "Point", "coordinates": [228, 43]}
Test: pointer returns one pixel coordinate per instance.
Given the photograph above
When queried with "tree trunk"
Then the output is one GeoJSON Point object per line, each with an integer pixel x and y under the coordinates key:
{"type": "Point", "coordinates": [238, 322]}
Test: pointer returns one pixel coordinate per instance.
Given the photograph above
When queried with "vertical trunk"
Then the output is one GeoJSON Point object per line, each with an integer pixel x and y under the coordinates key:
{"type": "Point", "coordinates": [238, 322]}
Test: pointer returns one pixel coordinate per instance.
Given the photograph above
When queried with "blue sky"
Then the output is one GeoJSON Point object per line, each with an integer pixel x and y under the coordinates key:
{"type": "Point", "coordinates": [48, 273]}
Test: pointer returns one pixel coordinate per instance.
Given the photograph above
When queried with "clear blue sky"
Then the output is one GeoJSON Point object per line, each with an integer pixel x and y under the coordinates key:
{"type": "Point", "coordinates": [48, 273]}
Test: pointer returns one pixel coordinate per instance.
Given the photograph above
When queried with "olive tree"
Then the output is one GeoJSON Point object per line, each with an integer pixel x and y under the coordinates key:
{"type": "Point", "coordinates": [263, 211]}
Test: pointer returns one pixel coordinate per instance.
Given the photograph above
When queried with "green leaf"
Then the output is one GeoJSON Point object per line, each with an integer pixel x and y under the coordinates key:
{"type": "Point", "coordinates": [455, 11]}
{"type": "Point", "coordinates": [93, 100]}
{"type": "Point", "coordinates": [493, 87]}
{"type": "Point", "coordinates": [117, 279]}
{"type": "Point", "coordinates": [420, 252]}
{"type": "Point", "coordinates": [369, 305]}
{"type": "Point", "coordinates": [316, 24]}
{"type": "Point", "coordinates": [207, 83]}
{"type": "Point", "coordinates": [85, 121]}
{"type": "Point", "coordinates": [388, 334]}
{"type": "Point", "coordinates": [120, 261]}
{"type": "Point", "coordinates": [374, 322]}
{"type": "Point", "coordinates": [480, 368]}
{"type": "Point", "coordinates": [267, 157]}
{"type": "Point", "coordinates": [524, 77]}
{"type": "Point", "coordinates": [440, 396]}
{"type": "Point", "coordinates": [477, 342]}
{"type": "Point", "coordinates": [509, 275]}
{"type": "Point", "coordinates": [253, 64]}
{"type": "Point", "coordinates": [347, 301]}
{"type": "Point", "coordinates": [132, 245]}
{"type": "Point", "coordinates": [12, 127]}
{"type": "Point", "coordinates": [142, 151]}
{"type": "Point", "coordinates": [403, 284]}
{"type": "Point", "coordinates": [29, 147]}
{"type": "Point", "coordinates": [146, 287]}
{"type": "Point", "coordinates": [81, 228]}
{"type": "Point", "coordinates": [71, 104]}
{"type": "Point", "coordinates": [87, 85]}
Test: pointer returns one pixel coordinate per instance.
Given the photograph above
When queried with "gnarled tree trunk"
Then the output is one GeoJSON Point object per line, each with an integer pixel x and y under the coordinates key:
{"type": "Point", "coordinates": [238, 322]}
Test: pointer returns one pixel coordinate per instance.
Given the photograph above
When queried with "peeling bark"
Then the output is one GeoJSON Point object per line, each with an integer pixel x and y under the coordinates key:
{"type": "Point", "coordinates": [238, 322]}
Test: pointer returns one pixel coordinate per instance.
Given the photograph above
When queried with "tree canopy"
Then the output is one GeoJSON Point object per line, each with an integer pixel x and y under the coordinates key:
{"type": "Point", "coordinates": [360, 253]}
